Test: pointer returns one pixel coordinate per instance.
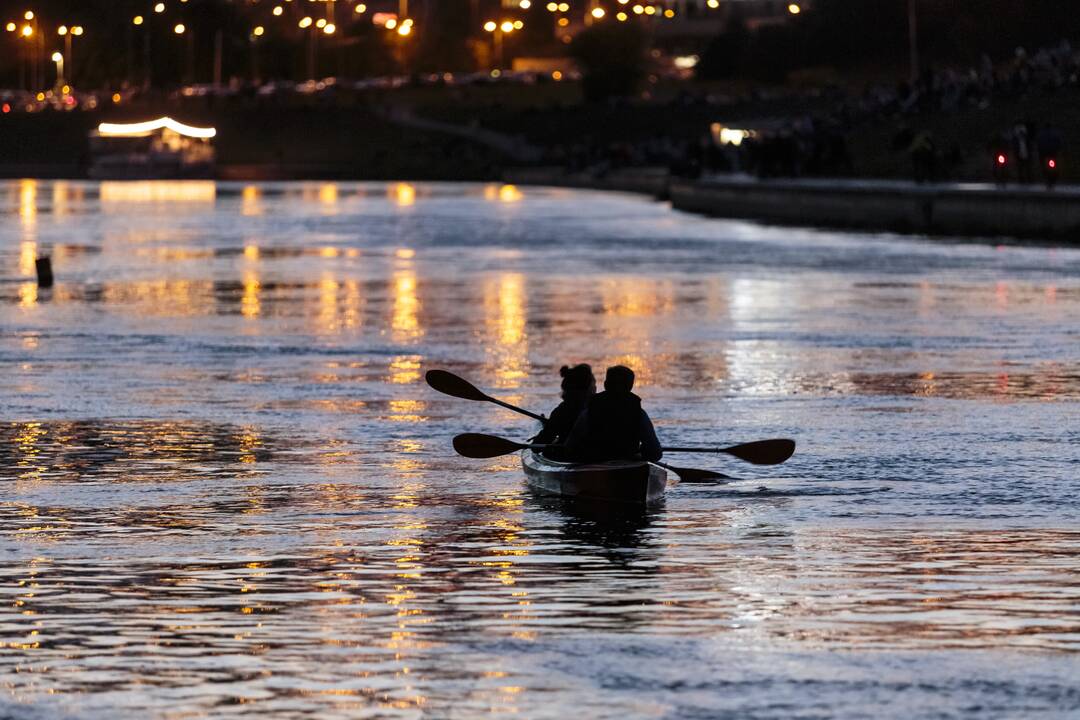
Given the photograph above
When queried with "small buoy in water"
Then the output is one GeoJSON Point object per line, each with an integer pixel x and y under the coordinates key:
{"type": "Point", "coordinates": [43, 265]}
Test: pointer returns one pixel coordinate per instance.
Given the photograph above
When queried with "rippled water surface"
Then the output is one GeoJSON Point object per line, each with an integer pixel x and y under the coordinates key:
{"type": "Point", "coordinates": [227, 492]}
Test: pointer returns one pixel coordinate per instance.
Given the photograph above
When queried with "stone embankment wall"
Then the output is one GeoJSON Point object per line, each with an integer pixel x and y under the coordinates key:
{"type": "Point", "coordinates": [1030, 212]}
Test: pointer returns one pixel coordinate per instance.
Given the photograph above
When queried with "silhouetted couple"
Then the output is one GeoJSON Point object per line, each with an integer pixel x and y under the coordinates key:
{"type": "Point", "coordinates": [588, 426]}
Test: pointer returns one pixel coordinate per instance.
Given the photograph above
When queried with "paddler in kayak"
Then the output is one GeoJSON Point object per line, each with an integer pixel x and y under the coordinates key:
{"type": "Point", "coordinates": [578, 385]}
{"type": "Point", "coordinates": [613, 425]}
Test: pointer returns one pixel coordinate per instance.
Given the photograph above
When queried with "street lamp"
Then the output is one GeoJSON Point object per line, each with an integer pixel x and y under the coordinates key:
{"type": "Point", "coordinates": [59, 60]}
{"type": "Point", "coordinates": [68, 33]}
{"type": "Point", "coordinates": [498, 30]}
{"type": "Point", "coordinates": [913, 40]}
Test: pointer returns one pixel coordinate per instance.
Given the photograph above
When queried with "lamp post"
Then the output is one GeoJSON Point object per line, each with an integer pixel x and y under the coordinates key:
{"type": "Point", "coordinates": [68, 33]}
{"type": "Point", "coordinates": [59, 60]}
{"type": "Point", "coordinates": [913, 40]}
{"type": "Point", "coordinates": [498, 30]}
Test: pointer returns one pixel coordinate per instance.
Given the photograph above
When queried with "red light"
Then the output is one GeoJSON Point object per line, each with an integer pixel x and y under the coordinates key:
{"type": "Point", "coordinates": [1052, 164]}
{"type": "Point", "coordinates": [5, 108]}
{"type": "Point", "coordinates": [1001, 159]}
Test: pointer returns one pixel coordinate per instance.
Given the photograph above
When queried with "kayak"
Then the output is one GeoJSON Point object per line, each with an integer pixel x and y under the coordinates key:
{"type": "Point", "coordinates": [634, 482]}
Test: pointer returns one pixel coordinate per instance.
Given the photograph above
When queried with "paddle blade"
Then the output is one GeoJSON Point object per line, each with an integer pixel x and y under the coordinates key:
{"type": "Point", "coordinates": [450, 384]}
{"type": "Point", "coordinates": [764, 452]}
{"type": "Point", "coordinates": [693, 475]}
{"type": "Point", "coordinates": [481, 447]}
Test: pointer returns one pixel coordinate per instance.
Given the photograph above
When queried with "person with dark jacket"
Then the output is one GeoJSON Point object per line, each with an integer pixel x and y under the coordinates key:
{"type": "Point", "coordinates": [613, 425]}
{"type": "Point", "coordinates": [578, 385]}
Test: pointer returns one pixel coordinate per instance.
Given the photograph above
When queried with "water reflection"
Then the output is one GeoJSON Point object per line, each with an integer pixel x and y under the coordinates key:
{"type": "Point", "coordinates": [220, 461]}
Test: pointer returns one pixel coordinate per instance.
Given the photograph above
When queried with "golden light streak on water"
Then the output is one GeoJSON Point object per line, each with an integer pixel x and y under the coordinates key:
{"type": "Point", "coordinates": [251, 252]}
{"type": "Point", "coordinates": [327, 319]}
{"type": "Point", "coordinates": [407, 411]}
{"type": "Point", "coordinates": [404, 369]}
{"type": "Point", "coordinates": [504, 311]}
{"type": "Point", "coordinates": [251, 201]}
{"type": "Point", "coordinates": [250, 306]}
{"type": "Point", "coordinates": [28, 203]}
{"type": "Point", "coordinates": [403, 194]}
{"type": "Point", "coordinates": [405, 320]}
{"type": "Point", "coordinates": [510, 194]}
{"type": "Point", "coordinates": [28, 294]}
{"type": "Point", "coordinates": [328, 194]}
{"type": "Point", "coordinates": [354, 301]}
{"type": "Point", "coordinates": [60, 198]}
{"type": "Point", "coordinates": [121, 192]}
{"type": "Point", "coordinates": [27, 257]}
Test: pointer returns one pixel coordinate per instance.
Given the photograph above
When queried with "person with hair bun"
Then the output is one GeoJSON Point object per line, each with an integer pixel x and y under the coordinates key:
{"type": "Point", "coordinates": [613, 425]}
{"type": "Point", "coordinates": [578, 385]}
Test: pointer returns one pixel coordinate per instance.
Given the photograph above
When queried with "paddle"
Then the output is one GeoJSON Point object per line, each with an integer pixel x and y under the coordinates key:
{"type": "Point", "coordinates": [693, 475]}
{"type": "Point", "coordinates": [455, 386]}
{"type": "Point", "coordinates": [450, 384]}
{"type": "Point", "coordinates": [481, 447]}
{"type": "Point", "coordinates": [762, 452]}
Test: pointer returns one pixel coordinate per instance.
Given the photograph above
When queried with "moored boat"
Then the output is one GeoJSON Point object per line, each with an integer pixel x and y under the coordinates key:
{"type": "Point", "coordinates": [634, 482]}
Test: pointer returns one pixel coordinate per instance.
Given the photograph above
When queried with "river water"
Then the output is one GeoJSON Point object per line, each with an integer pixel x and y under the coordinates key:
{"type": "Point", "coordinates": [227, 491]}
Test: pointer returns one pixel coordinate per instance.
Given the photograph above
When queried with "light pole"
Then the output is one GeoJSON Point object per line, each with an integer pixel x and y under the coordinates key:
{"type": "Point", "coordinates": [497, 31]}
{"type": "Point", "coordinates": [59, 60]}
{"type": "Point", "coordinates": [68, 33]}
{"type": "Point", "coordinates": [913, 40]}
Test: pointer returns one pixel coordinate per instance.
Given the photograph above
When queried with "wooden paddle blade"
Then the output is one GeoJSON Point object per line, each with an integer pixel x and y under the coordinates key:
{"type": "Point", "coordinates": [481, 447]}
{"type": "Point", "coordinates": [450, 384]}
{"type": "Point", "coordinates": [763, 452]}
{"type": "Point", "coordinates": [693, 475]}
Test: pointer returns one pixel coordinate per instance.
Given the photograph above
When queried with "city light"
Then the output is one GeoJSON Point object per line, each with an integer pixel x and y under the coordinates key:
{"type": "Point", "coordinates": [179, 29]}
{"type": "Point", "coordinates": [490, 26]}
{"type": "Point", "coordinates": [507, 26]}
{"type": "Point", "coordinates": [258, 31]}
{"type": "Point", "coordinates": [159, 8]}
{"type": "Point", "coordinates": [598, 12]}
{"type": "Point", "coordinates": [305, 22]}
{"type": "Point", "coordinates": [137, 20]}
{"type": "Point", "coordinates": [11, 27]}
{"type": "Point", "coordinates": [62, 30]}
{"type": "Point", "coordinates": [361, 8]}
{"type": "Point", "coordinates": [77, 30]}
{"type": "Point", "coordinates": [278, 11]}
{"type": "Point", "coordinates": [144, 129]}
{"type": "Point", "coordinates": [27, 31]}
{"type": "Point", "coordinates": [329, 28]}
{"type": "Point", "coordinates": [794, 9]}
{"type": "Point", "coordinates": [57, 57]}
{"type": "Point", "coordinates": [29, 15]}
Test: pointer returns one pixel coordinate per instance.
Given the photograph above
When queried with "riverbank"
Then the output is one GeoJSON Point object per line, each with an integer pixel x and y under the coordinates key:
{"type": "Point", "coordinates": [947, 209]}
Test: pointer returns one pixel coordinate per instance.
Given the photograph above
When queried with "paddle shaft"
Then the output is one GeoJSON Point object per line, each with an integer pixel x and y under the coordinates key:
{"type": "Point", "coordinates": [516, 409]}
{"type": "Point", "coordinates": [698, 449]}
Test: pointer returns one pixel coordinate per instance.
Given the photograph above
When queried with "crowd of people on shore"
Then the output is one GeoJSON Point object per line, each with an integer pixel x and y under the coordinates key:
{"type": "Point", "coordinates": [818, 144]}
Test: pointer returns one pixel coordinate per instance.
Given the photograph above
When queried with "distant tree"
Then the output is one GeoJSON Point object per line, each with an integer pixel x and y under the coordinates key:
{"type": "Point", "coordinates": [612, 58]}
{"type": "Point", "coordinates": [723, 56]}
{"type": "Point", "coordinates": [443, 37]}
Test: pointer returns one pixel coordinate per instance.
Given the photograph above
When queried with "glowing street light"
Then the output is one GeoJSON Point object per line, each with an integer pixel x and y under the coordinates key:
{"type": "Point", "coordinates": [137, 20]}
{"type": "Point", "coordinates": [159, 8]}
{"type": "Point", "coordinates": [598, 13]}
{"type": "Point", "coordinates": [498, 30]}
{"type": "Point", "coordinates": [179, 29]}
{"type": "Point", "coordinates": [305, 22]}
{"type": "Point", "coordinates": [27, 31]}
{"type": "Point", "coordinates": [29, 15]}
{"type": "Point", "coordinates": [59, 60]}
{"type": "Point", "coordinates": [329, 28]}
